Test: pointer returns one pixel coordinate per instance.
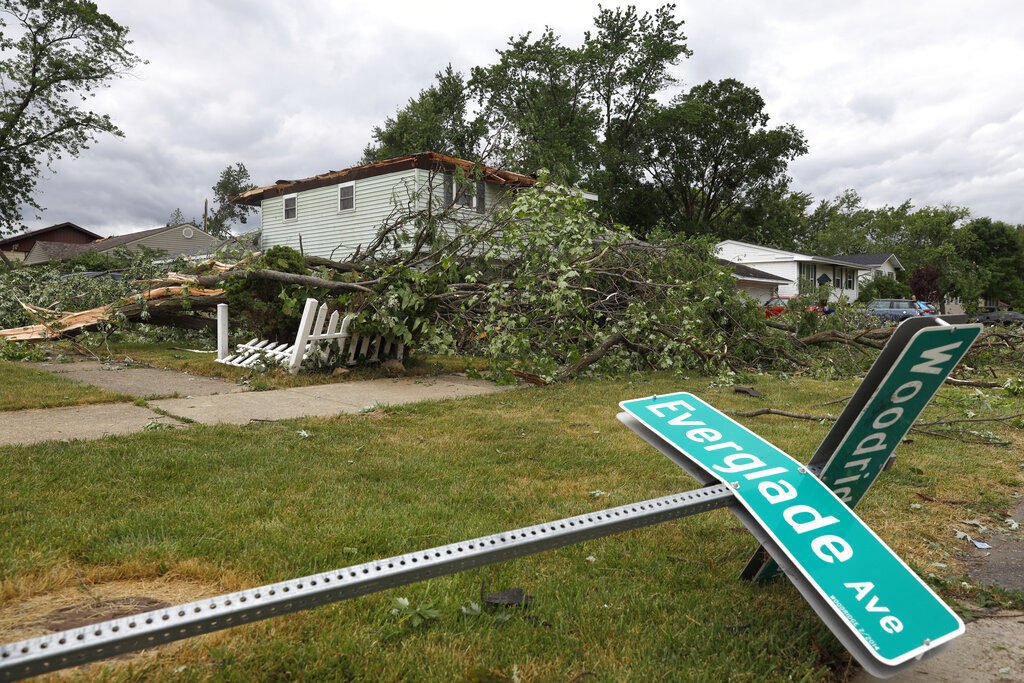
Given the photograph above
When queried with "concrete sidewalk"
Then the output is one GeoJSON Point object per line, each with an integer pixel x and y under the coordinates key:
{"type": "Point", "coordinates": [212, 401]}
{"type": "Point", "coordinates": [324, 400]}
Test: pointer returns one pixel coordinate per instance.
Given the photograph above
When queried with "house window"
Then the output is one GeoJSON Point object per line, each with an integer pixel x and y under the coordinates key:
{"type": "Point", "coordinates": [808, 276]}
{"type": "Point", "coordinates": [470, 195]}
{"type": "Point", "coordinates": [851, 278]}
{"type": "Point", "coordinates": [346, 196]}
{"type": "Point", "coordinates": [466, 198]}
{"type": "Point", "coordinates": [290, 207]}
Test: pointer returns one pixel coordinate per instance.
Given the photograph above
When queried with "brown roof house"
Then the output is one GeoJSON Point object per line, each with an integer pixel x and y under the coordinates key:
{"type": "Point", "coordinates": [337, 211]}
{"type": "Point", "coordinates": [16, 248]}
{"type": "Point", "coordinates": [172, 240]}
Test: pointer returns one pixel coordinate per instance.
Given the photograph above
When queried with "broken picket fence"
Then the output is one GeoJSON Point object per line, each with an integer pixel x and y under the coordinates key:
{"type": "Point", "coordinates": [315, 329]}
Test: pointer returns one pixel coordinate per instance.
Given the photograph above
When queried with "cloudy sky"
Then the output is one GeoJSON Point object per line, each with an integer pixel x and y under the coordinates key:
{"type": "Point", "coordinates": [919, 101]}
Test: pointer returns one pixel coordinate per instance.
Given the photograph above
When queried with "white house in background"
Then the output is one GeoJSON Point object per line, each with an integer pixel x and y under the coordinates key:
{"type": "Point", "coordinates": [875, 265]}
{"type": "Point", "coordinates": [796, 268]}
{"type": "Point", "coordinates": [336, 212]}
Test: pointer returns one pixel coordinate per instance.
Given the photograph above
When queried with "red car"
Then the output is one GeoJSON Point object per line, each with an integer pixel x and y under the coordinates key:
{"type": "Point", "coordinates": [776, 306]}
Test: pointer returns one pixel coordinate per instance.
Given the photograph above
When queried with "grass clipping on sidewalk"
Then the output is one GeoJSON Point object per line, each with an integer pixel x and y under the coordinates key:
{"type": "Point", "coordinates": [268, 502]}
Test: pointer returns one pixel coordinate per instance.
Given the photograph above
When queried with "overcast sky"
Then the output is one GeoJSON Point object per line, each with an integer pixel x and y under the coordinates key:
{"type": "Point", "coordinates": [919, 101]}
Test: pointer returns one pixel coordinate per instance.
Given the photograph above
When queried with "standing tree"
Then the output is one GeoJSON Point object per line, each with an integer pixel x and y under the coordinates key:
{"type": "Point", "coordinates": [579, 111]}
{"type": "Point", "coordinates": [631, 57]}
{"type": "Point", "coordinates": [436, 121]}
{"type": "Point", "coordinates": [711, 153]}
{"type": "Point", "coordinates": [233, 180]}
{"type": "Point", "coordinates": [58, 53]}
{"type": "Point", "coordinates": [178, 218]}
{"type": "Point", "coordinates": [537, 103]}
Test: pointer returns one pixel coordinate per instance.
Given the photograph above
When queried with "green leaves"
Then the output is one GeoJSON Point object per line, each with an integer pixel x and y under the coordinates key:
{"type": "Point", "coordinates": [435, 121]}
{"type": "Point", "coordinates": [415, 616]}
{"type": "Point", "coordinates": [64, 50]}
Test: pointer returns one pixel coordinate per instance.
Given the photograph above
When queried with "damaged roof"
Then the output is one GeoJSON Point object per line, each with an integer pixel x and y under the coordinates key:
{"type": "Point", "coordinates": [428, 161]}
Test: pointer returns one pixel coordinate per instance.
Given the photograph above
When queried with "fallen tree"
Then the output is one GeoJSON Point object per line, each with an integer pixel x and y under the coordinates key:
{"type": "Point", "coordinates": [162, 301]}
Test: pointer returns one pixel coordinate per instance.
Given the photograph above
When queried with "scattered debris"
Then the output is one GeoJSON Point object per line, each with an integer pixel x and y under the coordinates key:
{"type": "Point", "coordinates": [513, 596]}
{"type": "Point", "coordinates": [749, 391]}
{"type": "Point", "coordinates": [977, 544]}
{"type": "Point", "coordinates": [947, 501]}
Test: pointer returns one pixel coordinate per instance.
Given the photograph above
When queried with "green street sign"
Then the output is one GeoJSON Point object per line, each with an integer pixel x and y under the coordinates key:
{"type": "Point", "coordinates": [856, 450]}
{"type": "Point", "coordinates": [900, 399]}
{"type": "Point", "coordinates": [883, 612]}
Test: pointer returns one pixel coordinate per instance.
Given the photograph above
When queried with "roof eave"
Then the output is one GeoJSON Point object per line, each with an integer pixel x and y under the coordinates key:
{"type": "Point", "coordinates": [430, 161]}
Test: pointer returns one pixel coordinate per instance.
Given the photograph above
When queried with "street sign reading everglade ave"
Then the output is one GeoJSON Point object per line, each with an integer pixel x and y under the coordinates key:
{"type": "Point", "coordinates": [864, 587]}
{"type": "Point", "coordinates": [855, 452]}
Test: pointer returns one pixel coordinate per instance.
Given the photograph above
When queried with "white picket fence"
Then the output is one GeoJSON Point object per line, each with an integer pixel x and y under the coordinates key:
{"type": "Point", "coordinates": [314, 327]}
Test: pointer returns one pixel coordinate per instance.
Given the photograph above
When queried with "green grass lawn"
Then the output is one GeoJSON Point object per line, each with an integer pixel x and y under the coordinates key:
{"type": "Point", "coordinates": [23, 387]}
{"type": "Point", "coordinates": [244, 506]}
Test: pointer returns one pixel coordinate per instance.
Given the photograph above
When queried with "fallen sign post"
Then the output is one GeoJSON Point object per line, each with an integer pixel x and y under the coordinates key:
{"type": "Point", "coordinates": [76, 646]}
{"type": "Point", "coordinates": [913, 365]}
{"type": "Point", "coordinates": [881, 611]}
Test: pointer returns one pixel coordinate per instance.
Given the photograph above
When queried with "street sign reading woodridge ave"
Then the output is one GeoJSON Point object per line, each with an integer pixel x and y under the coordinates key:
{"type": "Point", "coordinates": [880, 604]}
{"type": "Point", "coordinates": [856, 450]}
{"type": "Point", "coordinates": [902, 396]}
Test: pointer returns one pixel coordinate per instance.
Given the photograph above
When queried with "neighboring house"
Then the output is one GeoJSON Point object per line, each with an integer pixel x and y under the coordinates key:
{"type": "Point", "coordinates": [756, 283]}
{"type": "Point", "coordinates": [17, 248]}
{"type": "Point", "coordinates": [172, 240]}
{"type": "Point", "coordinates": [875, 265]}
{"type": "Point", "coordinates": [798, 269]}
{"type": "Point", "coordinates": [331, 214]}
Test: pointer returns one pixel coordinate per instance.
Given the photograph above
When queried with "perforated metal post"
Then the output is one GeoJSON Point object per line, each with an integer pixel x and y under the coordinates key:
{"type": "Point", "coordinates": [109, 638]}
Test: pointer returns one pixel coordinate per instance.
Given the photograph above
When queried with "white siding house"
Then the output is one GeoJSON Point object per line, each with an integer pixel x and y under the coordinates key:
{"type": "Point", "coordinates": [336, 212]}
{"type": "Point", "coordinates": [795, 268]}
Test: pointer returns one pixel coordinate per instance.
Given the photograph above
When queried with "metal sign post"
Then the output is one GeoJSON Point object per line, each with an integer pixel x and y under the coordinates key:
{"type": "Point", "coordinates": [76, 646]}
{"type": "Point", "coordinates": [910, 370]}
{"type": "Point", "coordinates": [884, 614]}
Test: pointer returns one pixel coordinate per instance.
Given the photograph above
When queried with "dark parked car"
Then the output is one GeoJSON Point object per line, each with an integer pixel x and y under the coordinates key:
{"type": "Point", "coordinates": [999, 318]}
{"type": "Point", "coordinates": [895, 309]}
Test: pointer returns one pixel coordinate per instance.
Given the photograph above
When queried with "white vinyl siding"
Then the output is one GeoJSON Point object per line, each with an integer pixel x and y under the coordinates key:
{"type": "Point", "coordinates": [331, 233]}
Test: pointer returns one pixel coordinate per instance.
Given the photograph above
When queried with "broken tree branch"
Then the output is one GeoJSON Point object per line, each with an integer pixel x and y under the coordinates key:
{"type": "Point", "coordinates": [287, 278]}
{"type": "Point", "coordinates": [591, 358]}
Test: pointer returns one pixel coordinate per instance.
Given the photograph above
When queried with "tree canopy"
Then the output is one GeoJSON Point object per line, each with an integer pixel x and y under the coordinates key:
{"type": "Point", "coordinates": [710, 153]}
{"type": "Point", "coordinates": [435, 121]}
{"type": "Point", "coordinates": [233, 180]}
{"type": "Point", "coordinates": [53, 55]}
